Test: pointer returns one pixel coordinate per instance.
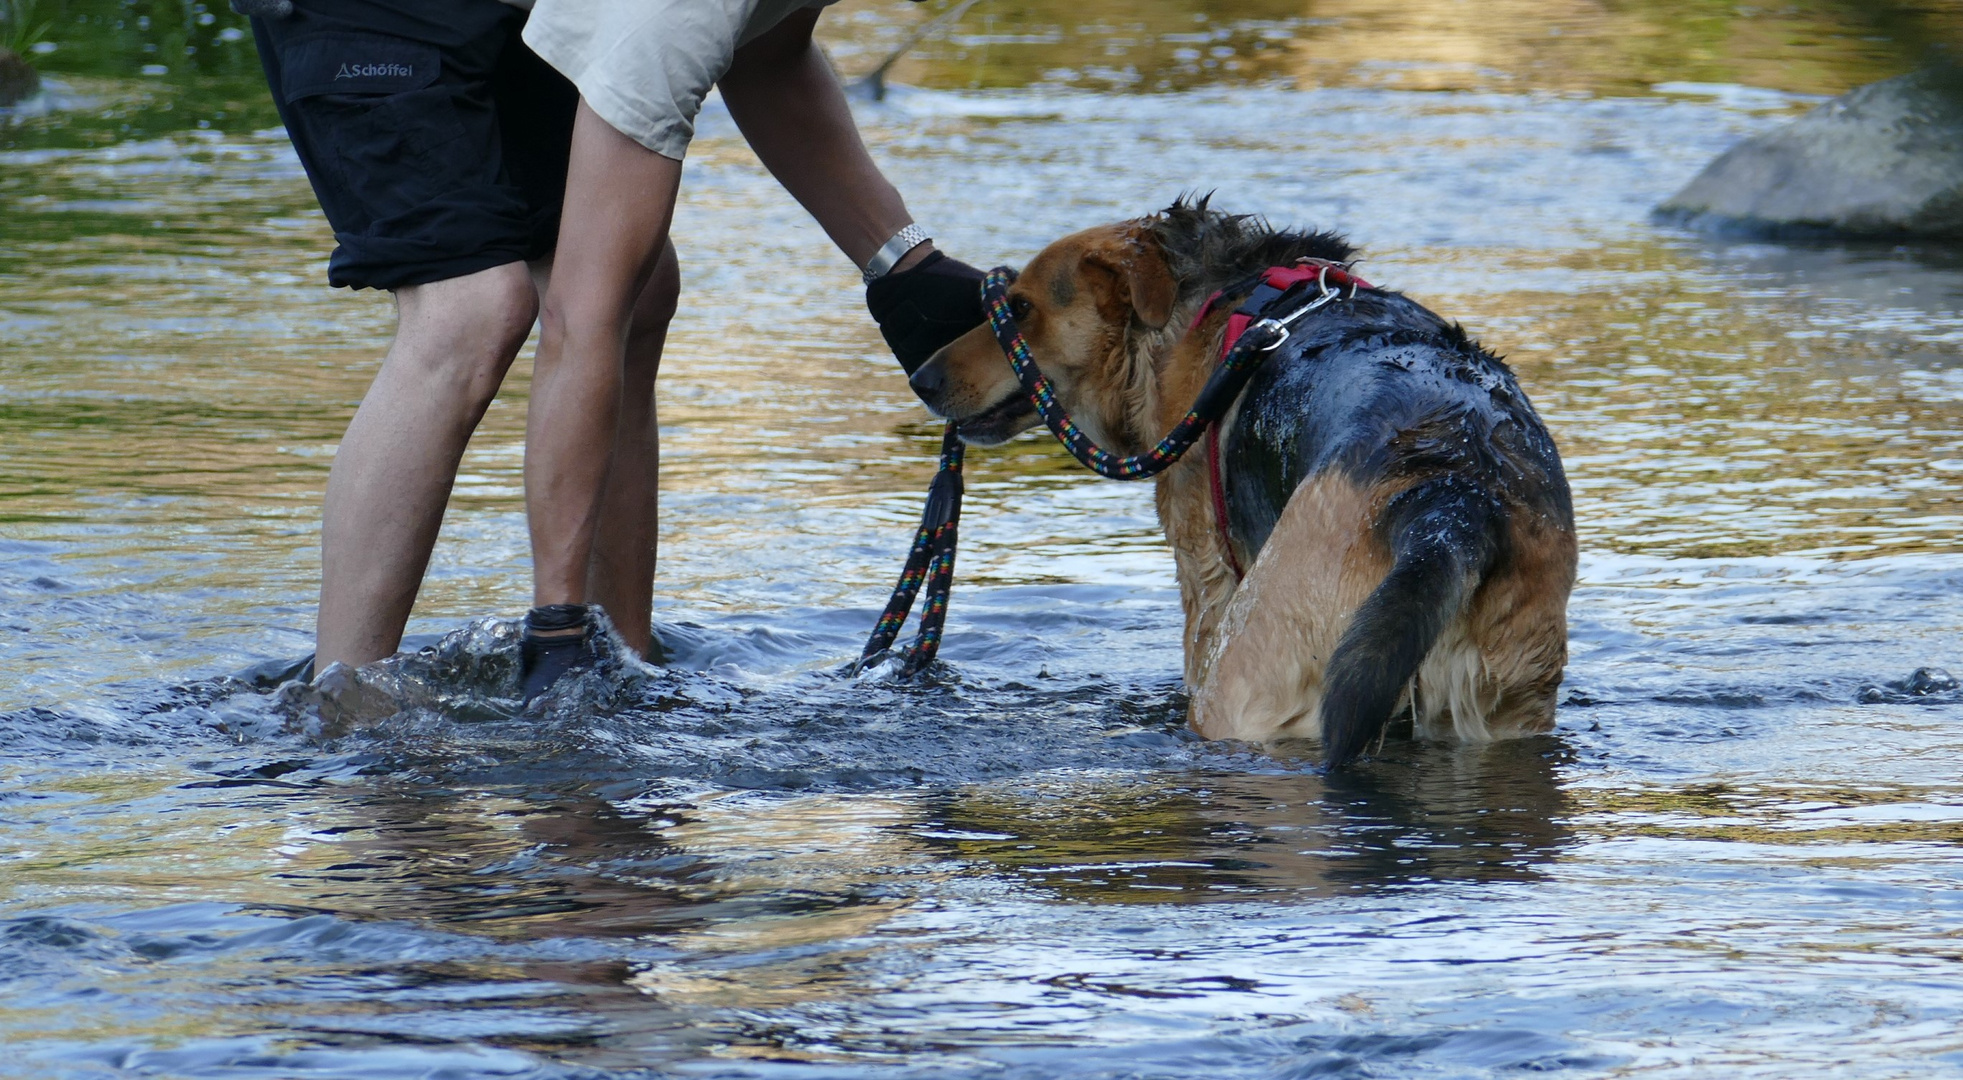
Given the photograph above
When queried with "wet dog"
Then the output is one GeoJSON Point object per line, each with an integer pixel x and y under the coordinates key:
{"type": "Point", "coordinates": [1399, 507]}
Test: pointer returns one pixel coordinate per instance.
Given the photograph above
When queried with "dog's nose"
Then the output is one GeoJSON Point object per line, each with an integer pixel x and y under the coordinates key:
{"type": "Point", "coordinates": [930, 383]}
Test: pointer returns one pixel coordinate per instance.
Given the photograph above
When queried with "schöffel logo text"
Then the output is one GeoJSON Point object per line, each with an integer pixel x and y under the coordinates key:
{"type": "Point", "coordinates": [357, 71]}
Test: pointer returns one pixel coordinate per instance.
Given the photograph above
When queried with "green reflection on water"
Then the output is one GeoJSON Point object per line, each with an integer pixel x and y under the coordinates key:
{"type": "Point", "coordinates": [143, 67]}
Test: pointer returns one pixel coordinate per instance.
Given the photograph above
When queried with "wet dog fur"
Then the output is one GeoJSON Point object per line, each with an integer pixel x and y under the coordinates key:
{"type": "Point", "coordinates": [1399, 508]}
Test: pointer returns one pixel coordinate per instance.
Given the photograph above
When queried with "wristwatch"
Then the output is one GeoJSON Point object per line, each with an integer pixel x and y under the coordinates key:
{"type": "Point", "coordinates": [892, 251]}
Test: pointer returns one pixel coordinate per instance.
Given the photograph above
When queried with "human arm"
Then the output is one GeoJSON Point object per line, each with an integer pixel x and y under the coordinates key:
{"type": "Point", "coordinates": [787, 100]}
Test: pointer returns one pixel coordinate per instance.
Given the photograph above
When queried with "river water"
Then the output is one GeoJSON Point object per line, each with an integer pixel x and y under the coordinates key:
{"type": "Point", "coordinates": [1737, 856]}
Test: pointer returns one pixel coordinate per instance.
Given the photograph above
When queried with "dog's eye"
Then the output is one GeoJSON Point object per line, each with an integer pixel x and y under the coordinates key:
{"type": "Point", "coordinates": [1020, 307]}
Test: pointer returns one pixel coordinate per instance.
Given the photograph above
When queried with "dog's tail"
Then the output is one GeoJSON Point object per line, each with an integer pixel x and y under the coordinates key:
{"type": "Point", "coordinates": [1442, 534]}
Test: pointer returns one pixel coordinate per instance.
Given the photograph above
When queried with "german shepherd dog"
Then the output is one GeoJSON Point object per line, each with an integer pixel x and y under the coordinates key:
{"type": "Point", "coordinates": [1400, 509]}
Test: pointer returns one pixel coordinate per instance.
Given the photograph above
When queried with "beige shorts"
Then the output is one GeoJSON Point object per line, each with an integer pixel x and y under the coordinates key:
{"type": "Point", "coordinates": [645, 65]}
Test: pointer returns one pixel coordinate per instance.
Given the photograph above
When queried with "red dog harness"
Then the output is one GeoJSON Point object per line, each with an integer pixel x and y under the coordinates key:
{"type": "Point", "coordinates": [1332, 278]}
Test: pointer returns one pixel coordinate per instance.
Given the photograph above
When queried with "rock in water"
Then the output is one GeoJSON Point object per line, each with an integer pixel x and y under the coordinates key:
{"type": "Point", "coordinates": [1885, 160]}
{"type": "Point", "coordinates": [18, 79]}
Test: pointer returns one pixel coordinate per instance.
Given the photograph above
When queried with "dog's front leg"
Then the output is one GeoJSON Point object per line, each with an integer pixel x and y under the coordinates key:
{"type": "Point", "coordinates": [1206, 579]}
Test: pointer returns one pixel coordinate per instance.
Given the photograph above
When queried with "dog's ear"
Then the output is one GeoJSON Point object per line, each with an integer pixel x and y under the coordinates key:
{"type": "Point", "coordinates": [1153, 290]}
{"type": "Point", "coordinates": [1141, 265]}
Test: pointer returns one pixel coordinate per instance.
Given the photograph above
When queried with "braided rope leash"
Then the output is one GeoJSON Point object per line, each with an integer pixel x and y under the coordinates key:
{"type": "Point", "coordinates": [931, 559]}
{"type": "Point", "coordinates": [1221, 388]}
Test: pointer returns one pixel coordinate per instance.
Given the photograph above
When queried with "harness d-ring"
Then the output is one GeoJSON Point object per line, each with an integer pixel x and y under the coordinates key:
{"type": "Point", "coordinates": [1277, 329]}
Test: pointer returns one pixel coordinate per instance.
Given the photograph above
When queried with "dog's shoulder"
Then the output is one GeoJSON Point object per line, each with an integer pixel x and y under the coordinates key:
{"type": "Point", "coordinates": [1378, 387]}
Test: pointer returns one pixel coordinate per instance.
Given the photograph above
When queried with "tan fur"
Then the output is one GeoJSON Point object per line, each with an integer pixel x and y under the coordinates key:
{"type": "Point", "coordinates": [1255, 663]}
{"type": "Point", "coordinates": [1099, 313]}
{"type": "Point", "coordinates": [1261, 675]}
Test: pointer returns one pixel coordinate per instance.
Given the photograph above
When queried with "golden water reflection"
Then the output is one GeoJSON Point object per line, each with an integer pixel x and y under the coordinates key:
{"type": "Point", "coordinates": [727, 905]}
{"type": "Point", "coordinates": [1593, 46]}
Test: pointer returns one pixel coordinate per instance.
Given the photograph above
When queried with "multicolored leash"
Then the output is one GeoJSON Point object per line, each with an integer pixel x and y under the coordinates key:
{"type": "Point", "coordinates": [1242, 359]}
{"type": "Point", "coordinates": [1248, 344]}
{"type": "Point", "coordinates": [931, 560]}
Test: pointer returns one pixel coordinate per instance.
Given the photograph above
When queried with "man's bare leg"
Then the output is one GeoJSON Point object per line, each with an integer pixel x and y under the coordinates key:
{"type": "Point", "coordinates": [392, 476]}
{"type": "Point", "coordinates": [620, 574]}
{"type": "Point", "coordinates": [620, 199]}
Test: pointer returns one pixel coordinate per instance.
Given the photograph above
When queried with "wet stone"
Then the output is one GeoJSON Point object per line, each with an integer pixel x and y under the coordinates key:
{"type": "Point", "coordinates": [18, 79]}
{"type": "Point", "coordinates": [1931, 681]}
{"type": "Point", "coordinates": [1885, 160]}
{"type": "Point", "coordinates": [1926, 685]}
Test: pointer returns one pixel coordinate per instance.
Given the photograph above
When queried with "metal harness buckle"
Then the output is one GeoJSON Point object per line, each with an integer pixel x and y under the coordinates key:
{"type": "Point", "coordinates": [1278, 327]}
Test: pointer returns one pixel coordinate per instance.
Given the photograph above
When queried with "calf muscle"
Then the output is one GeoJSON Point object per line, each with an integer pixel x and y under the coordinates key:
{"type": "Point", "coordinates": [619, 201]}
{"type": "Point", "coordinates": [391, 478]}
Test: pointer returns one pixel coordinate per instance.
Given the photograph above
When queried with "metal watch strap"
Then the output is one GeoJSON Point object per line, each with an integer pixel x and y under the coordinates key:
{"type": "Point", "coordinates": [892, 251]}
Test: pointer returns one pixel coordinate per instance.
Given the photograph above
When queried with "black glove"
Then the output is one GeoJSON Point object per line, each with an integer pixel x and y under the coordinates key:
{"type": "Point", "coordinates": [922, 309]}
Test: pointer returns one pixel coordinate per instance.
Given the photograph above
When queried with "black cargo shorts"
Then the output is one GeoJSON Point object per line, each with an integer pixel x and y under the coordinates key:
{"type": "Point", "coordinates": [435, 139]}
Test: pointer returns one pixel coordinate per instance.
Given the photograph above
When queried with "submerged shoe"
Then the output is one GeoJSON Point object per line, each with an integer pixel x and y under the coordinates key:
{"type": "Point", "coordinates": [270, 674]}
{"type": "Point", "coordinates": [558, 639]}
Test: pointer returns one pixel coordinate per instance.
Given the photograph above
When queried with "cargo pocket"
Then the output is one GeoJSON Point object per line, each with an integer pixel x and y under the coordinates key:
{"type": "Point", "coordinates": [374, 109]}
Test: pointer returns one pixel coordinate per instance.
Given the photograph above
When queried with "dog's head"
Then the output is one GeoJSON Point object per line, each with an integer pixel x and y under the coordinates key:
{"type": "Point", "coordinates": [1081, 304]}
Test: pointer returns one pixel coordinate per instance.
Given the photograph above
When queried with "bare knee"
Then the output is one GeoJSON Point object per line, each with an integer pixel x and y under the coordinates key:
{"type": "Point", "coordinates": [462, 333]}
{"type": "Point", "coordinates": [654, 310]}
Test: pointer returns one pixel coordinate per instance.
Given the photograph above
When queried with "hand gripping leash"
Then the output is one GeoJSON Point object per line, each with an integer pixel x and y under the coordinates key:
{"type": "Point", "coordinates": [1253, 333]}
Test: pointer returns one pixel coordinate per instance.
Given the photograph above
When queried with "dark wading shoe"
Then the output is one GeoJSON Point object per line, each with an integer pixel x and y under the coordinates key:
{"type": "Point", "coordinates": [550, 647]}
